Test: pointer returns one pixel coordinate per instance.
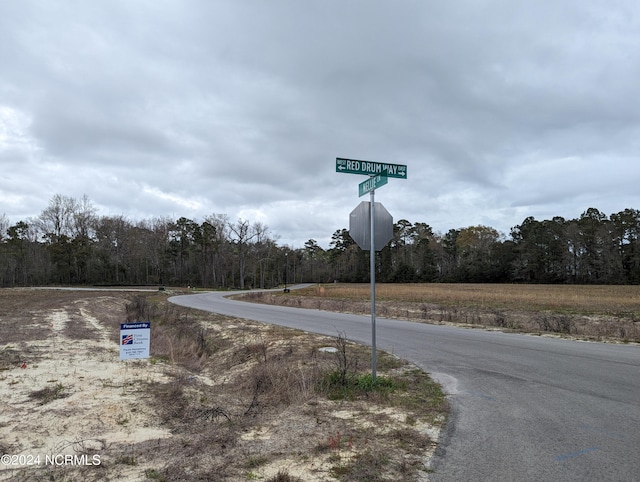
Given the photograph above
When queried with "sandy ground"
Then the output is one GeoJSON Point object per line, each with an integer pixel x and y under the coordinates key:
{"type": "Point", "coordinates": [70, 409]}
{"type": "Point", "coordinates": [94, 403]}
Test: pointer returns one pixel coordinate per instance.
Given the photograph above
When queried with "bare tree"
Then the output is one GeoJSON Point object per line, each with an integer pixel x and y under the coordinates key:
{"type": "Point", "coordinates": [57, 219]}
{"type": "Point", "coordinates": [83, 217]}
{"type": "Point", "coordinates": [244, 233]}
{"type": "Point", "coordinates": [4, 225]}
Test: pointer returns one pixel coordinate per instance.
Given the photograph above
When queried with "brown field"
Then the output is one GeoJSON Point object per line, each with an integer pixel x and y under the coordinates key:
{"type": "Point", "coordinates": [586, 299]}
{"type": "Point", "coordinates": [220, 398]}
{"type": "Point", "coordinates": [592, 312]}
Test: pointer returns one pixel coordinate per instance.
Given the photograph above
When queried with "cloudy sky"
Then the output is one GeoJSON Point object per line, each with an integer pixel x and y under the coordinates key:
{"type": "Point", "coordinates": [153, 108]}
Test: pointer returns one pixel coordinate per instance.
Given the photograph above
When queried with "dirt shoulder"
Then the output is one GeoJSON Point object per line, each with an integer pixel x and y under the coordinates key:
{"type": "Point", "coordinates": [219, 399]}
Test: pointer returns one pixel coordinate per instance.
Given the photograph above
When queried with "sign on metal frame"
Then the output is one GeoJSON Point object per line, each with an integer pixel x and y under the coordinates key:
{"type": "Point", "coordinates": [134, 340]}
{"type": "Point", "coordinates": [379, 174]}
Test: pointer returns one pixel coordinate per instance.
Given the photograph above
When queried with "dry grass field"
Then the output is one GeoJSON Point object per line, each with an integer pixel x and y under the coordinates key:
{"type": "Point", "coordinates": [592, 312]}
{"type": "Point", "coordinates": [220, 399]}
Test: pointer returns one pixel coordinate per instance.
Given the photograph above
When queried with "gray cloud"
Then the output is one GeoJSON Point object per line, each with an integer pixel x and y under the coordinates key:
{"type": "Point", "coordinates": [501, 110]}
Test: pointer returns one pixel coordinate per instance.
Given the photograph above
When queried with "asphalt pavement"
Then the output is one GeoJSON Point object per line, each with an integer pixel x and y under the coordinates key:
{"type": "Point", "coordinates": [523, 408]}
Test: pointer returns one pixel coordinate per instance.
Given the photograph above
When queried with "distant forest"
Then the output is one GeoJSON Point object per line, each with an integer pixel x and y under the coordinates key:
{"type": "Point", "coordinates": [69, 244]}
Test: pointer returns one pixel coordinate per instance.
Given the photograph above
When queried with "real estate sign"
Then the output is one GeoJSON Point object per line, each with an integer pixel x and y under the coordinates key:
{"type": "Point", "coordinates": [134, 340]}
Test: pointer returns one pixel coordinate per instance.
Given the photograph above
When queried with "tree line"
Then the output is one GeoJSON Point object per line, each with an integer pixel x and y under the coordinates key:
{"type": "Point", "coordinates": [69, 243]}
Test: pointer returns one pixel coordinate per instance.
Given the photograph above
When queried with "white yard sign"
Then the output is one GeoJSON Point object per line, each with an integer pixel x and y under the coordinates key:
{"type": "Point", "coordinates": [134, 340]}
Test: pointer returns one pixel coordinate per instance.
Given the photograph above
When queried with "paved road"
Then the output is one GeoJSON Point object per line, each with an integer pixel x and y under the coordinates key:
{"type": "Point", "coordinates": [524, 408]}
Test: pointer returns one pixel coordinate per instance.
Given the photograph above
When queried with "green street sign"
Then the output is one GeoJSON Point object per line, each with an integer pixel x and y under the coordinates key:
{"type": "Point", "coordinates": [352, 166]}
{"type": "Point", "coordinates": [374, 182]}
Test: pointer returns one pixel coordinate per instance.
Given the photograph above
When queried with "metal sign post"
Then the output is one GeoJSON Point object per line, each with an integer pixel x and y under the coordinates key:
{"type": "Point", "coordinates": [372, 269]}
{"type": "Point", "coordinates": [378, 176]}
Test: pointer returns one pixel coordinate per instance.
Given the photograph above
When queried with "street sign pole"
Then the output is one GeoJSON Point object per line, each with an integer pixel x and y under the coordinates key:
{"type": "Point", "coordinates": [372, 269]}
{"type": "Point", "coordinates": [378, 173]}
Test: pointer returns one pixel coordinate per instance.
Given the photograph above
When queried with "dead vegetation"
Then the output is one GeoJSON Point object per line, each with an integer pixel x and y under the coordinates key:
{"type": "Point", "coordinates": [49, 394]}
{"type": "Point", "coordinates": [223, 399]}
{"type": "Point", "coordinates": [599, 313]}
{"type": "Point", "coordinates": [268, 399]}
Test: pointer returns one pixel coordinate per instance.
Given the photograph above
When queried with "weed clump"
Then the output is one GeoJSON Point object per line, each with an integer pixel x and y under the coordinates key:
{"type": "Point", "coordinates": [283, 476]}
{"type": "Point", "coordinates": [355, 386]}
{"type": "Point", "coordinates": [49, 394]}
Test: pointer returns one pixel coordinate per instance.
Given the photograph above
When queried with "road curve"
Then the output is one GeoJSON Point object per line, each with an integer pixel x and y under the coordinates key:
{"type": "Point", "coordinates": [524, 408]}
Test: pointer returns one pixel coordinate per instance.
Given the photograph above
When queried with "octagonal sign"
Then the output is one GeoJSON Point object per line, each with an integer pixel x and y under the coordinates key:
{"type": "Point", "coordinates": [360, 226]}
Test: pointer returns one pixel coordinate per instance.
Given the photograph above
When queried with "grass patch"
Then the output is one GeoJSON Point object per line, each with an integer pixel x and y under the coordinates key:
{"type": "Point", "coordinates": [356, 386]}
{"type": "Point", "coordinates": [49, 394]}
{"type": "Point", "coordinates": [283, 476]}
{"type": "Point", "coordinates": [255, 461]}
{"type": "Point", "coordinates": [154, 474]}
{"type": "Point", "coordinates": [369, 466]}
